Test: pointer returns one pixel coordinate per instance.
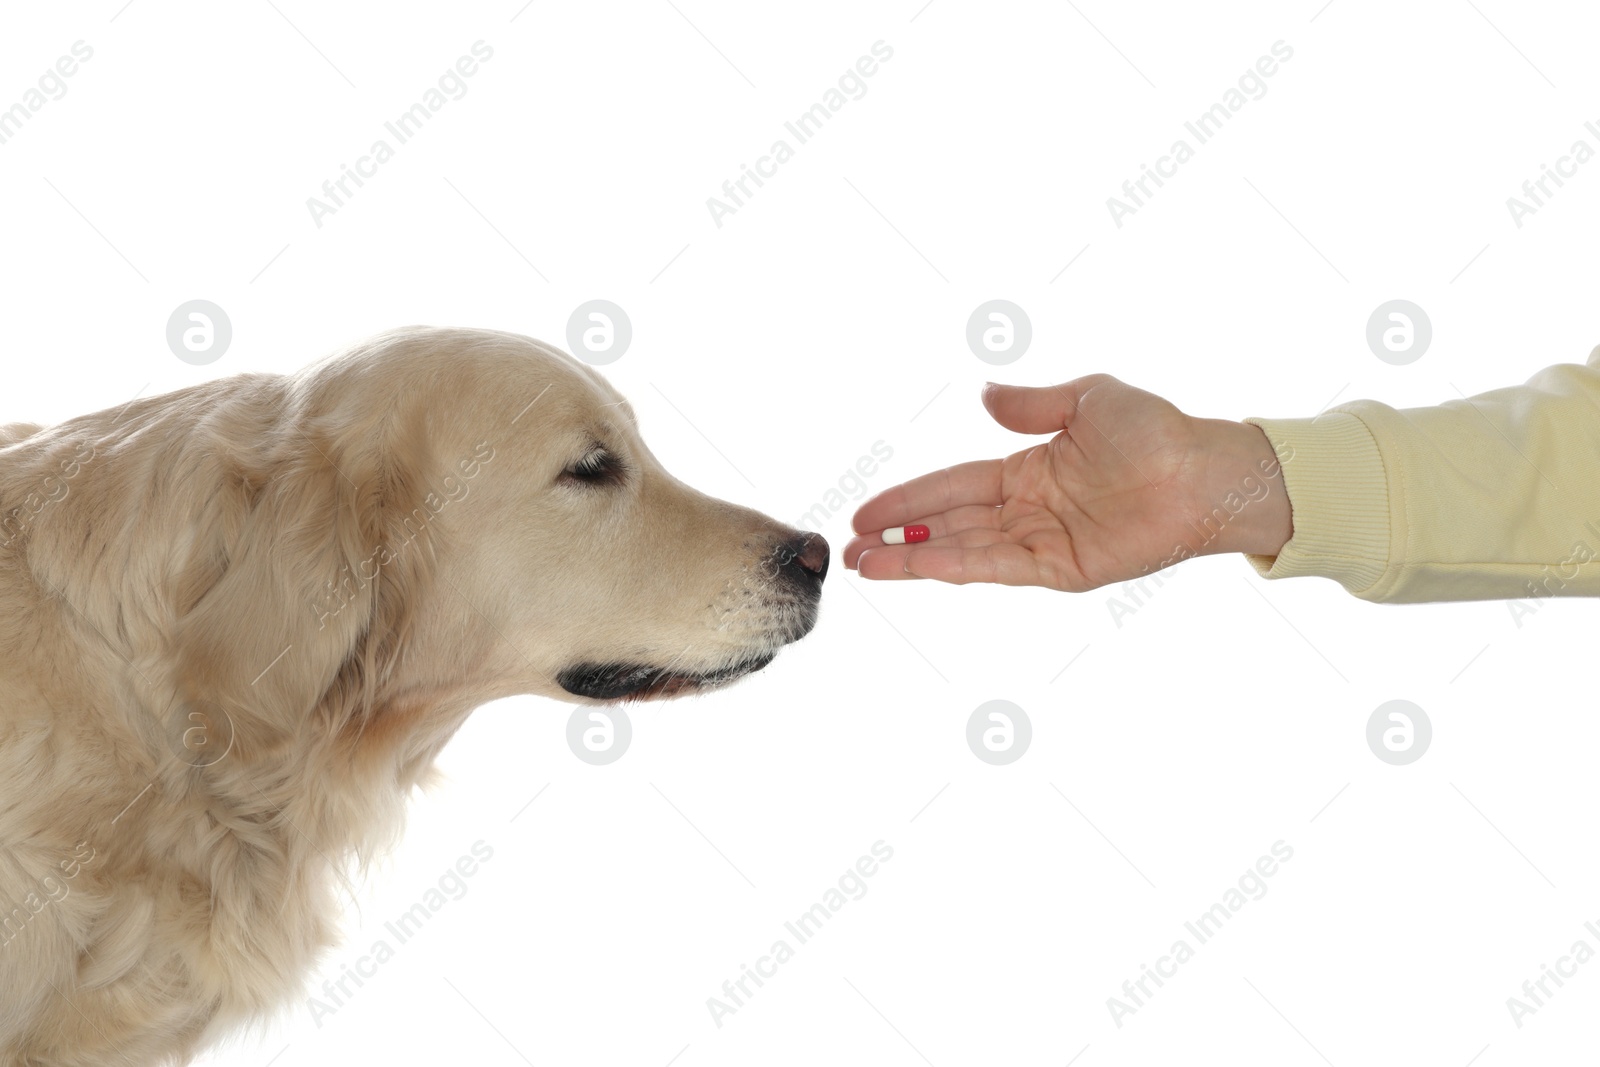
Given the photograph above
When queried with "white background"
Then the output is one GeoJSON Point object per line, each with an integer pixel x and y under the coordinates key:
{"type": "Point", "coordinates": [769, 354]}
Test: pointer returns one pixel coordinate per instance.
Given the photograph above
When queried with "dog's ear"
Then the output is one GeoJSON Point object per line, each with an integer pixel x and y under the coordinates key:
{"type": "Point", "coordinates": [304, 582]}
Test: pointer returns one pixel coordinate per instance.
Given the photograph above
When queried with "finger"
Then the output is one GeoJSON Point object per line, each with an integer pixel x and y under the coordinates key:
{"type": "Point", "coordinates": [1002, 563]}
{"type": "Point", "coordinates": [1038, 409]}
{"type": "Point", "coordinates": [880, 562]}
{"type": "Point", "coordinates": [973, 516]}
{"type": "Point", "coordinates": [885, 565]}
{"type": "Point", "coordinates": [931, 494]}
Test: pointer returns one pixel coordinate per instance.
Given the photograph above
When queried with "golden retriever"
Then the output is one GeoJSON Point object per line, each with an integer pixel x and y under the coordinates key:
{"type": "Point", "coordinates": [239, 621]}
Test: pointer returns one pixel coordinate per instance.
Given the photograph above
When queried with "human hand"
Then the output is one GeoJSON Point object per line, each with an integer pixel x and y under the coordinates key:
{"type": "Point", "coordinates": [1127, 485]}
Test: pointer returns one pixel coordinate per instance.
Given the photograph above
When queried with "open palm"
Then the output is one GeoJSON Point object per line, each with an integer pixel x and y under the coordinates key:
{"type": "Point", "coordinates": [1119, 491]}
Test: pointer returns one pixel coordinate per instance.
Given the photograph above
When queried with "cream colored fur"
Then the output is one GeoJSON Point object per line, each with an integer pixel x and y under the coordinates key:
{"type": "Point", "coordinates": [239, 621]}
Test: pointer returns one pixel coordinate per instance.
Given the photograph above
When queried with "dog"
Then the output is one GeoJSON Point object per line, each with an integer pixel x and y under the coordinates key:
{"type": "Point", "coordinates": [239, 621]}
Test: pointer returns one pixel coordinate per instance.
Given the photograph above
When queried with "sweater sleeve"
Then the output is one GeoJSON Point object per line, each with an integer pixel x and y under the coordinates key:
{"type": "Point", "coordinates": [1496, 496]}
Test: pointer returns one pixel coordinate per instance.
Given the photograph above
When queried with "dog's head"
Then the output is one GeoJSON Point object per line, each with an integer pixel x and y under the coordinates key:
{"type": "Point", "coordinates": [451, 516]}
{"type": "Point", "coordinates": [612, 578]}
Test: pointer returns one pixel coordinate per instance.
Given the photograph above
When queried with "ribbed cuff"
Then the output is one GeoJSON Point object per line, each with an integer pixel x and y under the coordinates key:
{"type": "Point", "coordinates": [1339, 493]}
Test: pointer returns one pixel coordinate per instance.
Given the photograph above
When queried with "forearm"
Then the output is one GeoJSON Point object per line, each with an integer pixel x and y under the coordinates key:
{"type": "Point", "coordinates": [1496, 496]}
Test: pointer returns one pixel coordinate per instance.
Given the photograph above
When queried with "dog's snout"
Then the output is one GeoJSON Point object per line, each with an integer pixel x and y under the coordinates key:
{"type": "Point", "coordinates": [805, 558]}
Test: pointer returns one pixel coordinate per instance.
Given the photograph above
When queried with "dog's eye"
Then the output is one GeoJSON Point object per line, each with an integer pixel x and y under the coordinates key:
{"type": "Point", "coordinates": [597, 468]}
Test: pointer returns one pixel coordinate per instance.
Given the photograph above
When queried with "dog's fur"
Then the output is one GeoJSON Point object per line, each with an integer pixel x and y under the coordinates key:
{"type": "Point", "coordinates": [239, 621]}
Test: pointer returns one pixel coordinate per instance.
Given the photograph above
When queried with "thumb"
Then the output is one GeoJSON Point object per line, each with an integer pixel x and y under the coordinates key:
{"type": "Point", "coordinates": [1038, 409]}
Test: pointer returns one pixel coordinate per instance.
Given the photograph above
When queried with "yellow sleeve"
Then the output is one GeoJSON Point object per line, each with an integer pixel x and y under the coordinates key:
{"type": "Point", "coordinates": [1492, 497]}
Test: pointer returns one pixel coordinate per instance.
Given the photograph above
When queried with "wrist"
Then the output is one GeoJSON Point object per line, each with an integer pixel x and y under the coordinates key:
{"type": "Point", "coordinates": [1244, 494]}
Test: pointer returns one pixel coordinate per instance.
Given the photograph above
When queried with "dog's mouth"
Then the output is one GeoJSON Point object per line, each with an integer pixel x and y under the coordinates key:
{"type": "Point", "coordinates": [640, 681]}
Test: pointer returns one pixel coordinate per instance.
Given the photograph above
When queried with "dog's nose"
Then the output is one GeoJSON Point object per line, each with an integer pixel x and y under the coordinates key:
{"type": "Point", "coordinates": [806, 558]}
{"type": "Point", "coordinates": [814, 555]}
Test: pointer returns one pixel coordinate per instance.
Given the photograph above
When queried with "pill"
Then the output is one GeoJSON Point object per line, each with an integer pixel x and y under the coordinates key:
{"type": "Point", "coordinates": [905, 535]}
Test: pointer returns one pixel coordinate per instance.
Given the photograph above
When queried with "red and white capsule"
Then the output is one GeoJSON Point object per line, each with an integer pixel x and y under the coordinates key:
{"type": "Point", "coordinates": [905, 535]}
